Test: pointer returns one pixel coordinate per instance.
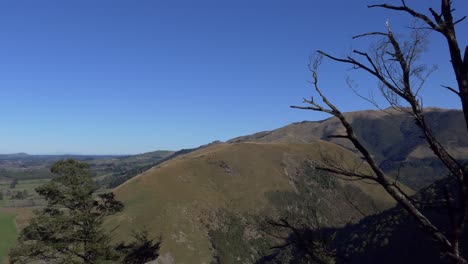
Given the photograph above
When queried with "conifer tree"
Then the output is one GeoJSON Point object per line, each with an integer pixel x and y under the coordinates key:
{"type": "Point", "coordinates": [69, 228]}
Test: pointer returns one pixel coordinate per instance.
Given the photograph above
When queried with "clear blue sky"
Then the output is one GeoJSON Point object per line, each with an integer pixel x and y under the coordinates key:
{"type": "Point", "coordinates": [121, 77]}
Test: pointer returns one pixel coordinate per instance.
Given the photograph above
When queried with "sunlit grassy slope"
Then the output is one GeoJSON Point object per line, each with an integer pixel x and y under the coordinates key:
{"type": "Point", "coordinates": [179, 199]}
{"type": "Point", "coordinates": [7, 233]}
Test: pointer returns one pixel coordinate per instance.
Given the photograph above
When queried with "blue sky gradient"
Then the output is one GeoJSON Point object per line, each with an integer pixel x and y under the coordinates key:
{"type": "Point", "coordinates": [123, 77]}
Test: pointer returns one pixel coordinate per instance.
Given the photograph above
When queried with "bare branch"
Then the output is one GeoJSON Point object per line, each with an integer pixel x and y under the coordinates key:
{"type": "Point", "coordinates": [379, 176]}
{"type": "Point", "coordinates": [451, 89]}
{"type": "Point", "coordinates": [337, 136]}
{"type": "Point", "coordinates": [410, 11]}
{"type": "Point", "coordinates": [370, 34]}
{"type": "Point", "coordinates": [348, 173]}
{"type": "Point", "coordinates": [459, 20]}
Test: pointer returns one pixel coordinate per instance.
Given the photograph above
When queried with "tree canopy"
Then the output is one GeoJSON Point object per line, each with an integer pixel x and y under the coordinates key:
{"type": "Point", "coordinates": [69, 228]}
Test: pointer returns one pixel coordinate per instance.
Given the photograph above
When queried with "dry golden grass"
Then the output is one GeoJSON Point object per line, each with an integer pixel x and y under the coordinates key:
{"type": "Point", "coordinates": [179, 198]}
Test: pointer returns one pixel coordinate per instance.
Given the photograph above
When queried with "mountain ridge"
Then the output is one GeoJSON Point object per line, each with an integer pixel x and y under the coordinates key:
{"type": "Point", "coordinates": [391, 136]}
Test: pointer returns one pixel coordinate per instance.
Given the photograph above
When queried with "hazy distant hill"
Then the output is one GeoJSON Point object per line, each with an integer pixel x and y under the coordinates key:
{"type": "Point", "coordinates": [14, 156]}
{"type": "Point", "coordinates": [208, 202]}
{"type": "Point", "coordinates": [392, 137]}
{"type": "Point", "coordinates": [112, 167]}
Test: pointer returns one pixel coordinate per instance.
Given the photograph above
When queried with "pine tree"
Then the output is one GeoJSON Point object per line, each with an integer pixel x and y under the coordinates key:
{"type": "Point", "coordinates": [69, 228]}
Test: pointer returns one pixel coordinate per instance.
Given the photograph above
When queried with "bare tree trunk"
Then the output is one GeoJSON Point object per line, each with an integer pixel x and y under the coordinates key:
{"type": "Point", "coordinates": [398, 81]}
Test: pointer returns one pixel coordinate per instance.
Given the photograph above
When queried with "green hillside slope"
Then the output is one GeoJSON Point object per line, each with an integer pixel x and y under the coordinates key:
{"type": "Point", "coordinates": [192, 199]}
{"type": "Point", "coordinates": [8, 233]}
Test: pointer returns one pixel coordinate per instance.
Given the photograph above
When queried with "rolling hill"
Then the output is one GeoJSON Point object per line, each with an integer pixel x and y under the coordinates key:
{"type": "Point", "coordinates": [391, 136]}
{"type": "Point", "coordinates": [208, 204]}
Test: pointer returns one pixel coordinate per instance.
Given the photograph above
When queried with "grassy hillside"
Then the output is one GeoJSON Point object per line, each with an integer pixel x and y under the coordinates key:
{"type": "Point", "coordinates": [191, 199]}
{"type": "Point", "coordinates": [8, 233]}
{"type": "Point", "coordinates": [391, 136]}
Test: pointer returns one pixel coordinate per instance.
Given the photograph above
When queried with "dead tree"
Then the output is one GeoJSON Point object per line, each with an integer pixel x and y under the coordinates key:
{"type": "Point", "coordinates": [394, 64]}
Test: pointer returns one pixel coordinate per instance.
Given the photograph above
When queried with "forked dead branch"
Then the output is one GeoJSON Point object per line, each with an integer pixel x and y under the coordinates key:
{"type": "Point", "coordinates": [394, 63]}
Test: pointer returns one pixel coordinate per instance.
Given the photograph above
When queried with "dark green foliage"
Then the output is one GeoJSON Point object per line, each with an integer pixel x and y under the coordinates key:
{"type": "Point", "coordinates": [30, 174]}
{"type": "Point", "coordinates": [294, 235]}
{"type": "Point", "coordinates": [141, 250]}
{"type": "Point", "coordinates": [20, 195]}
{"type": "Point", "coordinates": [297, 234]}
{"type": "Point", "coordinates": [238, 241]}
{"type": "Point", "coordinates": [319, 195]}
{"type": "Point", "coordinates": [13, 183]}
{"type": "Point", "coordinates": [68, 229]}
{"type": "Point", "coordinates": [121, 174]}
{"type": "Point", "coordinates": [323, 179]}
